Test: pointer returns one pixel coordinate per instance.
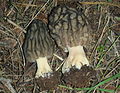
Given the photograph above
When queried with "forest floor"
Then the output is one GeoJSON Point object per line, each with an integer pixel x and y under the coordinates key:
{"type": "Point", "coordinates": [103, 76]}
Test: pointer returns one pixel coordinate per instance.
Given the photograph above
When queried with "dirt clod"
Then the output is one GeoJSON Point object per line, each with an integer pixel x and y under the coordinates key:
{"type": "Point", "coordinates": [79, 78]}
{"type": "Point", "coordinates": [49, 83]}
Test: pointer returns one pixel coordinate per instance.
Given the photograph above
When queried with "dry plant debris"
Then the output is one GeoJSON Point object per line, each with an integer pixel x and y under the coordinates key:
{"type": "Point", "coordinates": [15, 16]}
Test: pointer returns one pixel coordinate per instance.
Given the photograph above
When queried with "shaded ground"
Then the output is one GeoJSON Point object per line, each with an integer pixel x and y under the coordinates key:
{"type": "Point", "coordinates": [105, 59]}
{"type": "Point", "coordinates": [79, 78]}
{"type": "Point", "coordinates": [49, 83]}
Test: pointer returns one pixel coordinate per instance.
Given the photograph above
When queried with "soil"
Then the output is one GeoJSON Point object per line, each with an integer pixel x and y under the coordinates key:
{"type": "Point", "coordinates": [73, 78]}
{"type": "Point", "coordinates": [49, 83]}
{"type": "Point", "coordinates": [76, 77]}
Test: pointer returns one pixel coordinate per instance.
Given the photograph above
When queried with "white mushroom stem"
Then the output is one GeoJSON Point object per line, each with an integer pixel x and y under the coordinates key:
{"type": "Point", "coordinates": [43, 68]}
{"type": "Point", "coordinates": [76, 58]}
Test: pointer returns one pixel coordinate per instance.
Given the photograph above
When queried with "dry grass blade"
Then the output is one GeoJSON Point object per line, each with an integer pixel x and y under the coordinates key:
{"type": "Point", "coordinates": [114, 45]}
{"type": "Point", "coordinates": [20, 13]}
{"type": "Point", "coordinates": [7, 83]}
{"type": "Point", "coordinates": [28, 5]}
{"type": "Point", "coordinates": [102, 34]}
{"type": "Point", "coordinates": [103, 3]}
{"type": "Point", "coordinates": [58, 57]}
{"type": "Point", "coordinates": [14, 24]}
{"type": "Point", "coordinates": [37, 13]}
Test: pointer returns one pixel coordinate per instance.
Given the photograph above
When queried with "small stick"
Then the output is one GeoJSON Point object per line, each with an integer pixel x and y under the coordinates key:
{"type": "Point", "coordinates": [7, 83]}
{"type": "Point", "coordinates": [61, 60]}
{"type": "Point", "coordinates": [58, 57]}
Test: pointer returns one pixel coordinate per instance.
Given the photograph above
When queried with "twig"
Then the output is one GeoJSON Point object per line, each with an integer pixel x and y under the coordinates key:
{"type": "Point", "coordinates": [61, 63]}
{"type": "Point", "coordinates": [99, 22]}
{"type": "Point", "coordinates": [102, 34]}
{"type": "Point", "coordinates": [26, 72]}
{"type": "Point", "coordinates": [103, 3]}
{"type": "Point", "coordinates": [112, 70]}
{"type": "Point", "coordinates": [14, 37]}
{"type": "Point", "coordinates": [60, 66]}
{"type": "Point", "coordinates": [20, 46]}
{"type": "Point", "coordinates": [58, 57]}
{"type": "Point", "coordinates": [27, 6]}
{"type": "Point", "coordinates": [114, 45]}
{"type": "Point", "coordinates": [37, 14]}
{"type": "Point", "coordinates": [11, 22]}
{"type": "Point", "coordinates": [7, 31]}
{"type": "Point", "coordinates": [7, 83]}
{"type": "Point", "coordinates": [107, 51]}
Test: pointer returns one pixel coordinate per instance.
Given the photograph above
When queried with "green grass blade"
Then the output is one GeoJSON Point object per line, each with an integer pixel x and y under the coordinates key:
{"type": "Point", "coordinates": [109, 0]}
{"type": "Point", "coordinates": [106, 90]}
{"type": "Point", "coordinates": [92, 88]}
{"type": "Point", "coordinates": [107, 51]}
{"type": "Point", "coordinates": [105, 81]}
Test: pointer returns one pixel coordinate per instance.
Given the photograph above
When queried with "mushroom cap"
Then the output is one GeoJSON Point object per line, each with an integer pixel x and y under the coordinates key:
{"type": "Point", "coordinates": [38, 42]}
{"type": "Point", "coordinates": [69, 27]}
